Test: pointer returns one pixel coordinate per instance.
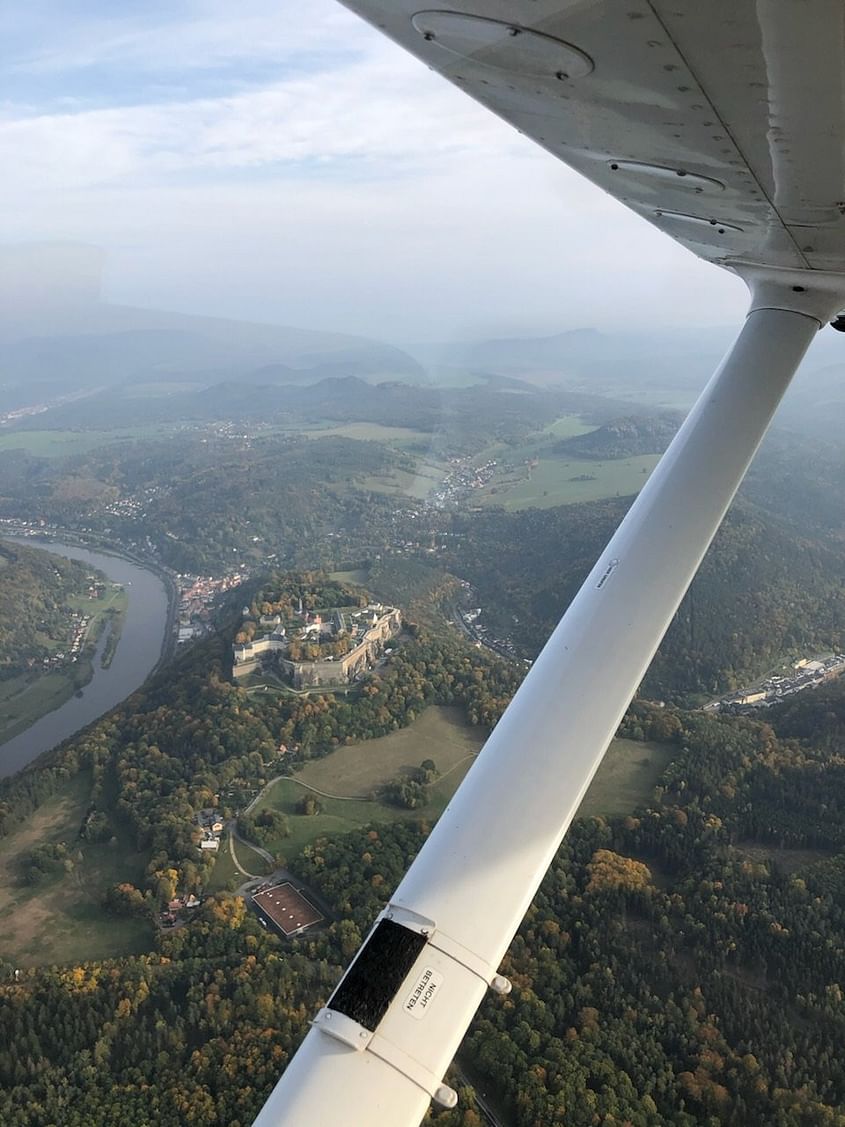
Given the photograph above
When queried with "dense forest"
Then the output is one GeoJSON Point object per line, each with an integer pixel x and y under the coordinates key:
{"type": "Point", "coordinates": [678, 966]}
{"type": "Point", "coordinates": [664, 950]}
{"type": "Point", "coordinates": [761, 592]}
{"type": "Point", "coordinates": [204, 503]}
{"type": "Point", "coordinates": [35, 618]}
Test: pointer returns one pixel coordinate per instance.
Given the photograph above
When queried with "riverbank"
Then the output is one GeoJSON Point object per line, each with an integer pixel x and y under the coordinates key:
{"type": "Point", "coordinates": [146, 637]}
{"type": "Point", "coordinates": [31, 693]}
{"type": "Point", "coordinates": [91, 542]}
{"type": "Point", "coordinates": [29, 696]}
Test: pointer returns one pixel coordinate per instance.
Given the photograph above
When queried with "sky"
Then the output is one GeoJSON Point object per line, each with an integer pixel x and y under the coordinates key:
{"type": "Point", "coordinates": [280, 161]}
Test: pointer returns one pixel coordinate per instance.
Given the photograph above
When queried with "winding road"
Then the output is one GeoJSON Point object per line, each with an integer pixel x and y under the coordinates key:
{"type": "Point", "coordinates": [262, 853]}
{"type": "Point", "coordinates": [338, 797]}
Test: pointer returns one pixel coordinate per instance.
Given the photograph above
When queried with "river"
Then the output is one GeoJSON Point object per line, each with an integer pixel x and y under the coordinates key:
{"type": "Point", "coordinates": [138, 651]}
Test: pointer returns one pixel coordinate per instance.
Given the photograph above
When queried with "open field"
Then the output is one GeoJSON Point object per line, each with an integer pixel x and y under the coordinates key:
{"type": "Point", "coordinates": [115, 598]}
{"type": "Point", "coordinates": [27, 697]}
{"type": "Point", "coordinates": [426, 476]}
{"type": "Point", "coordinates": [439, 733]}
{"type": "Point", "coordinates": [61, 443]}
{"type": "Point", "coordinates": [554, 482]}
{"type": "Point", "coordinates": [537, 445]}
{"type": "Point", "coordinates": [353, 773]}
{"type": "Point", "coordinates": [568, 426]}
{"type": "Point", "coordinates": [372, 432]}
{"type": "Point", "coordinates": [401, 483]}
{"type": "Point", "coordinates": [62, 920]}
{"type": "Point", "coordinates": [336, 816]}
{"type": "Point", "coordinates": [626, 778]}
{"type": "Point", "coordinates": [428, 472]}
{"type": "Point", "coordinates": [357, 578]}
{"type": "Point", "coordinates": [224, 875]}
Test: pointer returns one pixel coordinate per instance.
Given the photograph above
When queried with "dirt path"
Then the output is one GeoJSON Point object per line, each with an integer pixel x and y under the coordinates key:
{"type": "Point", "coordinates": [262, 853]}
{"type": "Point", "coordinates": [339, 797]}
{"type": "Point", "coordinates": [235, 861]}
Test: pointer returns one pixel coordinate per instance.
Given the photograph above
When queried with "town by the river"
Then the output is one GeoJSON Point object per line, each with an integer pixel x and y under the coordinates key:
{"type": "Point", "coordinates": [143, 638]}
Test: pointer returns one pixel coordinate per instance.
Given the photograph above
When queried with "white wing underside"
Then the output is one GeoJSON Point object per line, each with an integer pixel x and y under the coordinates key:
{"type": "Point", "coordinates": [746, 97]}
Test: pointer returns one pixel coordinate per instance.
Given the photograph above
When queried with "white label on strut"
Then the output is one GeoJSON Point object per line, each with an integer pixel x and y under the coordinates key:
{"type": "Point", "coordinates": [421, 997]}
{"type": "Point", "coordinates": [608, 571]}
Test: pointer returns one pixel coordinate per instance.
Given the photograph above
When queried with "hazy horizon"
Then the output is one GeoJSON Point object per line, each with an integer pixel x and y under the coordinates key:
{"type": "Point", "coordinates": [293, 167]}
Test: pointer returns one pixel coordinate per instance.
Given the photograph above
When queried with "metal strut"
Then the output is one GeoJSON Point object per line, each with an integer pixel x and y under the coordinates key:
{"type": "Point", "coordinates": [378, 1051]}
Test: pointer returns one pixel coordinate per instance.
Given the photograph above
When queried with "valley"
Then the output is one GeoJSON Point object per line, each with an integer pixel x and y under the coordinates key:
{"type": "Point", "coordinates": [487, 500]}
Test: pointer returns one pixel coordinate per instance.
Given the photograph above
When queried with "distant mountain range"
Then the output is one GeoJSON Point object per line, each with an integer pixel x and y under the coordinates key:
{"type": "Point", "coordinates": [142, 352]}
{"type": "Point", "coordinates": [58, 341]}
{"type": "Point", "coordinates": [604, 363]}
{"type": "Point", "coordinates": [662, 368]}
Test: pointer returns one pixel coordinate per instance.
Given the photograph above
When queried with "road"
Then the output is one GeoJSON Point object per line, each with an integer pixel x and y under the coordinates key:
{"type": "Point", "coordinates": [231, 840]}
{"type": "Point", "coordinates": [492, 1117]}
{"type": "Point", "coordinates": [508, 655]}
{"type": "Point", "coordinates": [263, 853]}
{"type": "Point", "coordinates": [234, 836]}
{"type": "Point", "coordinates": [307, 786]}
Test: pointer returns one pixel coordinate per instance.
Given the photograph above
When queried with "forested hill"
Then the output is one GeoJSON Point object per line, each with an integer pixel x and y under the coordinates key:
{"type": "Point", "coordinates": [761, 591]}
{"type": "Point", "coordinates": [817, 718]}
{"type": "Point", "coordinates": [681, 965]}
{"type": "Point", "coordinates": [625, 438]}
{"type": "Point", "coordinates": [208, 502]}
{"type": "Point", "coordinates": [34, 615]}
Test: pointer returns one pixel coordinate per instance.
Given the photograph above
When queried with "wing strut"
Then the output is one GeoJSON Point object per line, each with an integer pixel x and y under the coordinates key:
{"type": "Point", "coordinates": [377, 1053]}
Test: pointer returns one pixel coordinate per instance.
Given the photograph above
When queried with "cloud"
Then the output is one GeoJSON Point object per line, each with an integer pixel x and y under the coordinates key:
{"type": "Point", "coordinates": [385, 112]}
{"type": "Point", "coordinates": [54, 38]}
{"type": "Point", "coordinates": [347, 186]}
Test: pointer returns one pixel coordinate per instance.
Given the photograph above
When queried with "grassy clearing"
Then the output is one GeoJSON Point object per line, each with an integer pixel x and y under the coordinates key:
{"type": "Point", "coordinates": [788, 861]}
{"type": "Point", "coordinates": [250, 860]}
{"type": "Point", "coordinates": [27, 697]}
{"type": "Point", "coordinates": [224, 875]}
{"type": "Point", "coordinates": [440, 734]}
{"type": "Point", "coordinates": [372, 432]}
{"type": "Point", "coordinates": [538, 445]}
{"type": "Point", "coordinates": [419, 483]}
{"type": "Point", "coordinates": [62, 920]}
{"type": "Point", "coordinates": [357, 578]}
{"type": "Point", "coordinates": [335, 817]}
{"type": "Point", "coordinates": [626, 778]}
{"type": "Point", "coordinates": [62, 443]}
{"type": "Point", "coordinates": [568, 426]}
{"type": "Point", "coordinates": [555, 482]}
{"type": "Point", "coordinates": [428, 471]}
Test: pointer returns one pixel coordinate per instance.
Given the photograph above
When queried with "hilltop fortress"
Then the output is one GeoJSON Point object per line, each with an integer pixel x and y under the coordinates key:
{"type": "Point", "coordinates": [318, 648]}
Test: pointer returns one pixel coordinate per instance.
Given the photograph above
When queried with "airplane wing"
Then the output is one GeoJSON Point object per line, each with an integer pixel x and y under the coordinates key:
{"type": "Point", "coordinates": [722, 124]}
